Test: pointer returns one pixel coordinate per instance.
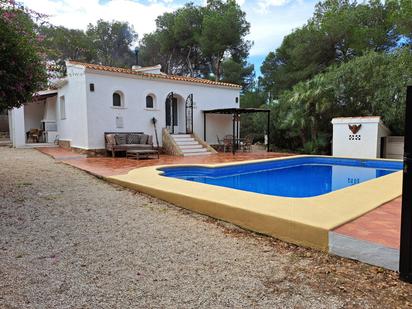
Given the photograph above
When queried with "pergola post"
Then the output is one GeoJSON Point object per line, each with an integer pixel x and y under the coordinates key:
{"type": "Point", "coordinates": [234, 134]}
{"type": "Point", "coordinates": [204, 127]}
{"type": "Point", "coordinates": [405, 252]}
{"type": "Point", "coordinates": [268, 132]}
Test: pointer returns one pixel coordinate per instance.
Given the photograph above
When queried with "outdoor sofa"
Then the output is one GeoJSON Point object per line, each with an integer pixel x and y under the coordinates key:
{"type": "Point", "coordinates": [124, 141]}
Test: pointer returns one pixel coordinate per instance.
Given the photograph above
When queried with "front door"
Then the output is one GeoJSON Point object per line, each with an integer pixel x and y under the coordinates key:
{"type": "Point", "coordinates": [171, 114]}
{"type": "Point", "coordinates": [189, 114]}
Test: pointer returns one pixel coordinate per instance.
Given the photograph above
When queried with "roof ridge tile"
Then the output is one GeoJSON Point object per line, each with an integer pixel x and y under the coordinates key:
{"type": "Point", "coordinates": [106, 68]}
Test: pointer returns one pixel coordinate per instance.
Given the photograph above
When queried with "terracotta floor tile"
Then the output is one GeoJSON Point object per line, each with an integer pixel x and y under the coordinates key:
{"type": "Point", "coordinates": [381, 225]}
{"type": "Point", "coordinates": [108, 166]}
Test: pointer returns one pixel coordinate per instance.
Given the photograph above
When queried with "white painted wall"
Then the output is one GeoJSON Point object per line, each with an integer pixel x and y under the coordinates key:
{"type": "Point", "coordinates": [394, 147]}
{"type": "Point", "coordinates": [363, 144]}
{"type": "Point", "coordinates": [102, 115]}
{"type": "Point", "coordinates": [74, 127]}
{"type": "Point", "coordinates": [17, 127]}
{"type": "Point", "coordinates": [50, 109]}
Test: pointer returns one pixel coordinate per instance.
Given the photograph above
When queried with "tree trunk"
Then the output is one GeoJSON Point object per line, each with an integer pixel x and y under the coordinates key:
{"type": "Point", "coordinates": [189, 63]}
{"type": "Point", "coordinates": [314, 132]}
{"type": "Point", "coordinates": [218, 67]}
{"type": "Point", "coordinates": [169, 63]}
{"type": "Point", "coordinates": [302, 136]}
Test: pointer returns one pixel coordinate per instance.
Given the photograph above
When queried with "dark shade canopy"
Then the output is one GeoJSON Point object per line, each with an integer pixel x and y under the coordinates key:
{"type": "Point", "coordinates": [236, 111]}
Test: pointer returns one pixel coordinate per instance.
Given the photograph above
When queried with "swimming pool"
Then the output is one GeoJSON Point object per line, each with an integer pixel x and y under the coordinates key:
{"type": "Point", "coordinates": [355, 187]}
{"type": "Point", "coordinates": [296, 177]}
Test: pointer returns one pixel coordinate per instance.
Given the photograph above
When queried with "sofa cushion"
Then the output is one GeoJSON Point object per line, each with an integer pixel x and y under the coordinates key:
{"type": "Point", "coordinates": [133, 138]}
{"type": "Point", "coordinates": [143, 139]}
{"type": "Point", "coordinates": [134, 146]}
{"type": "Point", "coordinates": [110, 139]}
{"type": "Point", "coordinates": [121, 139]}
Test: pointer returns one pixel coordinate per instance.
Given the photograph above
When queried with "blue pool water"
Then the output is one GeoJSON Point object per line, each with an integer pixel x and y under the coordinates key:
{"type": "Point", "coordinates": [295, 177]}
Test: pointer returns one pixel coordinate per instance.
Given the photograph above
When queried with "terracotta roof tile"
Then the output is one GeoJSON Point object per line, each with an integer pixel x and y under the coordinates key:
{"type": "Point", "coordinates": [152, 75]}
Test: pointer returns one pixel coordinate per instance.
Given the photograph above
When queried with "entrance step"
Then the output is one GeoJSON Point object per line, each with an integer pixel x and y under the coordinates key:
{"type": "Point", "coordinates": [5, 143]}
{"type": "Point", "coordinates": [197, 154]}
{"type": "Point", "coordinates": [181, 135]}
{"type": "Point", "coordinates": [184, 139]}
{"type": "Point", "coordinates": [189, 146]}
{"type": "Point", "coordinates": [194, 150]}
{"type": "Point", "coordinates": [186, 143]}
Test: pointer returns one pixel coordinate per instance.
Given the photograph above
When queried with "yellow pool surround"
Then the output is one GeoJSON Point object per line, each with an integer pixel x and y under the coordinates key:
{"type": "Point", "coordinates": [302, 221]}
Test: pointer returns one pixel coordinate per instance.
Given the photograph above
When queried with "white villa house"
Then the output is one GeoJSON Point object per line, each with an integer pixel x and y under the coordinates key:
{"type": "Point", "coordinates": [94, 99]}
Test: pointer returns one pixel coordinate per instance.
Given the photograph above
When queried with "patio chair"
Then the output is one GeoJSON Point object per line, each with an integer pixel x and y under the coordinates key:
{"type": "Point", "coordinates": [247, 143]}
{"type": "Point", "coordinates": [34, 135]}
{"type": "Point", "coordinates": [220, 144]}
{"type": "Point", "coordinates": [227, 143]}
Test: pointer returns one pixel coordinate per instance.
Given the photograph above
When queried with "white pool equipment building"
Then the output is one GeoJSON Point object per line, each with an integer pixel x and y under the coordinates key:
{"type": "Point", "coordinates": [358, 137]}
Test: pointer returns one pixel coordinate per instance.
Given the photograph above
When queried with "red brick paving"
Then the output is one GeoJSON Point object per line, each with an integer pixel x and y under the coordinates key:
{"type": "Point", "coordinates": [108, 166]}
{"type": "Point", "coordinates": [381, 225]}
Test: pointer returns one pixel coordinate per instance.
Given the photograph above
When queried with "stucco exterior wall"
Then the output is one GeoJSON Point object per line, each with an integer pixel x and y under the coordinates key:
{"type": "Point", "coordinates": [364, 144]}
{"type": "Point", "coordinates": [101, 115]}
{"type": "Point", "coordinates": [50, 109]}
{"type": "Point", "coordinates": [17, 130]}
{"type": "Point", "coordinates": [74, 127]}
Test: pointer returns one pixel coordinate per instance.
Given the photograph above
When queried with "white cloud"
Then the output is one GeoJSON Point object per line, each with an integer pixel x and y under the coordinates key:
{"type": "Point", "coordinates": [267, 30]}
{"type": "Point", "coordinates": [263, 6]}
{"type": "Point", "coordinates": [78, 14]}
{"type": "Point", "coordinates": [270, 20]}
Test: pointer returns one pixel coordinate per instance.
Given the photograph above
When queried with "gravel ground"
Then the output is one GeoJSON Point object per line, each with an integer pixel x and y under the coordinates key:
{"type": "Point", "coordinates": [70, 240]}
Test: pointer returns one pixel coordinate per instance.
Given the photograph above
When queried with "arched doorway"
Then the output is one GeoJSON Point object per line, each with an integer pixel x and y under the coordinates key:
{"type": "Point", "coordinates": [172, 120]}
{"type": "Point", "coordinates": [176, 113]}
{"type": "Point", "coordinates": [189, 114]}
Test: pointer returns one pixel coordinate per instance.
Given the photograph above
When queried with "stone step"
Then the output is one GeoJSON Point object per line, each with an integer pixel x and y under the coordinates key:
{"type": "Point", "coordinates": [197, 154]}
{"type": "Point", "coordinates": [183, 143]}
{"type": "Point", "coordinates": [194, 150]}
{"type": "Point", "coordinates": [194, 146]}
{"type": "Point", "coordinates": [185, 139]}
{"type": "Point", "coordinates": [189, 146]}
{"type": "Point", "coordinates": [5, 143]}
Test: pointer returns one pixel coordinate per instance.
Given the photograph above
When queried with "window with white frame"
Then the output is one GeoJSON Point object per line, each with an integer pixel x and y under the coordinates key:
{"type": "Point", "coordinates": [62, 107]}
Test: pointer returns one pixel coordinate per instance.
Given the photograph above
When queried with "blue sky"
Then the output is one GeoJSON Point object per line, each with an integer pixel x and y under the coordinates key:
{"type": "Point", "coordinates": [270, 20]}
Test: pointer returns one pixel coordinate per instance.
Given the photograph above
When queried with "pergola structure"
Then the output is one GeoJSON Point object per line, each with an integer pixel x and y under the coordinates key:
{"type": "Point", "coordinates": [236, 112]}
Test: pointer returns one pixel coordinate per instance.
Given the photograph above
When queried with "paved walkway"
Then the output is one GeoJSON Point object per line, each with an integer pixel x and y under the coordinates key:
{"type": "Point", "coordinates": [375, 234]}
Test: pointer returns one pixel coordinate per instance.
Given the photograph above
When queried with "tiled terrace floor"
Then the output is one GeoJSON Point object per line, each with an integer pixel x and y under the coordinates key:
{"type": "Point", "coordinates": [380, 226]}
{"type": "Point", "coordinates": [108, 166]}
